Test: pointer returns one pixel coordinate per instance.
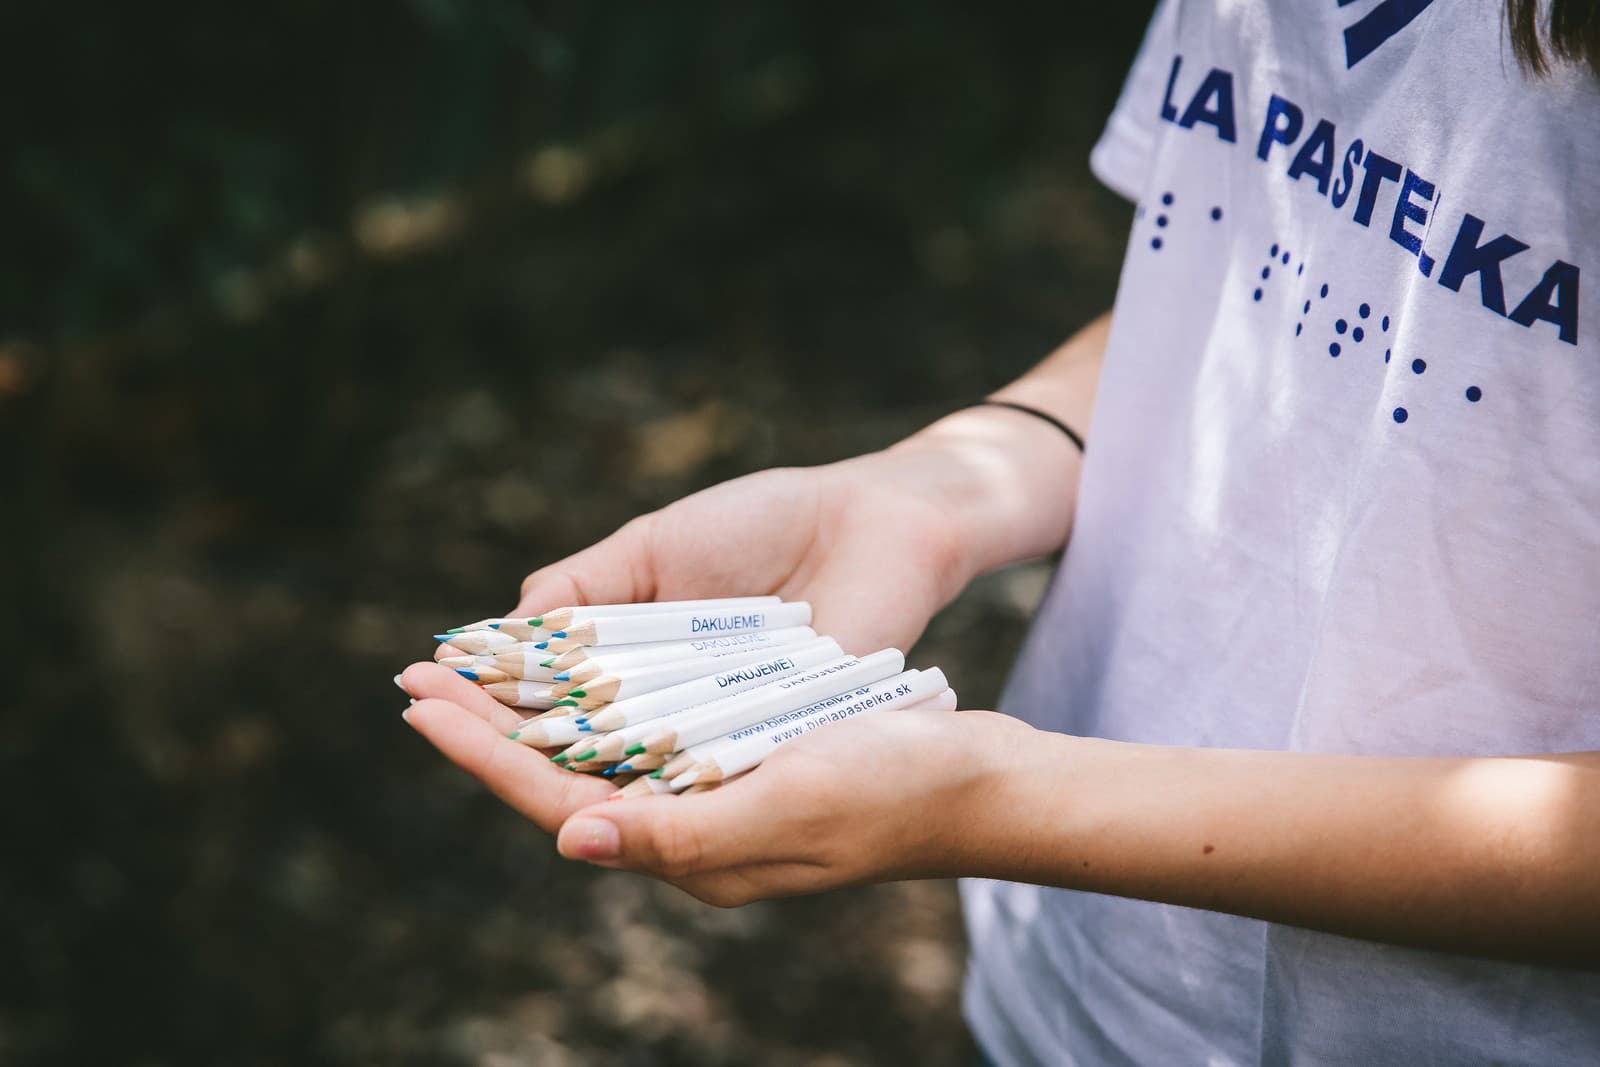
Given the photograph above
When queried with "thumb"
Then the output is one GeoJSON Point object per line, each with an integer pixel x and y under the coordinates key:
{"type": "Point", "coordinates": [671, 836]}
{"type": "Point", "coordinates": [617, 570]}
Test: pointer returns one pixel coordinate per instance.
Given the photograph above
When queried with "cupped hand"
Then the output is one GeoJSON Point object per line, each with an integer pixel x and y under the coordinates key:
{"type": "Point", "coordinates": [886, 795]}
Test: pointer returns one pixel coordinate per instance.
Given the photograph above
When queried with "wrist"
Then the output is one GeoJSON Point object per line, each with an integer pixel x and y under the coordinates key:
{"type": "Point", "coordinates": [1008, 482]}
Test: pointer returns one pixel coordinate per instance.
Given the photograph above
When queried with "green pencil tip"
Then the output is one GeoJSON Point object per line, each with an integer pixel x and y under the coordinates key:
{"type": "Point", "coordinates": [633, 750]}
{"type": "Point", "coordinates": [560, 758]}
{"type": "Point", "coordinates": [576, 693]}
{"type": "Point", "coordinates": [456, 630]}
{"type": "Point", "coordinates": [585, 755]}
{"type": "Point", "coordinates": [657, 774]}
{"type": "Point", "coordinates": [513, 735]}
{"type": "Point", "coordinates": [537, 620]}
{"type": "Point", "coordinates": [564, 703]}
{"type": "Point", "coordinates": [547, 663]}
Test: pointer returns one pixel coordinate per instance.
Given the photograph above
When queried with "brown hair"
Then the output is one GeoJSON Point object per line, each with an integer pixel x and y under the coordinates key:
{"type": "Point", "coordinates": [1573, 35]}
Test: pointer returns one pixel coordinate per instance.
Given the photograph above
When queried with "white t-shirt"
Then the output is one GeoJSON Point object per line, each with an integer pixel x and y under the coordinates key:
{"type": "Point", "coordinates": [1342, 495]}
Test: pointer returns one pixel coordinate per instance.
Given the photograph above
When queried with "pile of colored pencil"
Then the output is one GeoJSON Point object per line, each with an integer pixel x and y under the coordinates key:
{"type": "Point", "coordinates": [679, 694]}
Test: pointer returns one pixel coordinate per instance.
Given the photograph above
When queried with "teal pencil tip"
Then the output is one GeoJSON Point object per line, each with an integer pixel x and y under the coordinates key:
{"type": "Point", "coordinates": [456, 630]}
{"type": "Point", "coordinates": [513, 735]}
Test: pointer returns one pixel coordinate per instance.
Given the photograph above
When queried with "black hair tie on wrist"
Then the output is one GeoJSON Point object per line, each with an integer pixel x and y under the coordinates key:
{"type": "Point", "coordinates": [1036, 413]}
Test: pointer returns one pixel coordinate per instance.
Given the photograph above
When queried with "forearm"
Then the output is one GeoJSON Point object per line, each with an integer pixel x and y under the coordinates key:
{"type": "Point", "coordinates": [1011, 480]}
{"type": "Point", "coordinates": [1484, 856]}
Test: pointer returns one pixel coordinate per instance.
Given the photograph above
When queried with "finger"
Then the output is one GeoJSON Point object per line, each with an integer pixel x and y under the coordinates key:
{"type": "Point", "coordinates": [521, 777]}
{"type": "Point", "coordinates": [614, 571]}
{"type": "Point", "coordinates": [429, 680]}
{"type": "Point", "coordinates": [673, 836]}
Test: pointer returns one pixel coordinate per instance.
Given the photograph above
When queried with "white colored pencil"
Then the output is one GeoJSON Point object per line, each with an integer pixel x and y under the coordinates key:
{"type": "Point", "coordinates": [561, 618]}
{"type": "Point", "coordinates": [682, 729]}
{"type": "Point", "coordinates": [905, 690]}
{"type": "Point", "coordinates": [696, 692]}
{"type": "Point", "coordinates": [478, 642]}
{"type": "Point", "coordinates": [678, 626]}
{"type": "Point", "coordinates": [587, 663]}
{"type": "Point", "coordinates": [534, 695]}
{"type": "Point", "coordinates": [656, 691]}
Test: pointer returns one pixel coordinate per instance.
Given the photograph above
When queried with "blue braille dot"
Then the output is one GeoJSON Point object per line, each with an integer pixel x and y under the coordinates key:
{"type": "Point", "coordinates": [1285, 259]}
{"type": "Point", "coordinates": [1474, 394]}
{"type": "Point", "coordinates": [1216, 214]}
{"type": "Point", "coordinates": [1386, 355]}
{"type": "Point", "coordinates": [1340, 326]}
{"type": "Point", "coordinates": [1399, 414]}
{"type": "Point", "coordinates": [1258, 294]}
{"type": "Point", "coordinates": [1266, 272]}
{"type": "Point", "coordinates": [1301, 269]}
{"type": "Point", "coordinates": [1272, 252]}
{"type": "Point", "coordinates": [1298, 327]}
{"type": "Point", "coordinates": [1357, 334]}
{"type": "Point", "coordinates": [1324, 289]}
{"type": "Point", "coordinates": [1166, 198]}
{"type": "Point", "coordinates": [1418, 366]}
{"type": "Point", "coordinates": [1306, 308]}
{"type": "Point", "coordinates": [1333, 349]}
{"type": "Point", "coordinates": [1364, 310]}
{"type": "Point", "coordinates": [1385, 324]}
{"type": "Point", "coordinates": [1161, 220]}
{"type": "Point", "coordinates": [1155, 243]}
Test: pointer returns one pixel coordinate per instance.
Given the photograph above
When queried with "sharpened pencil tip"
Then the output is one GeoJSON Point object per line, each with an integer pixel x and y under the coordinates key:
{"type": "Point", "coordinates": [585, 728]}
{"type": "Point", "coordinates": [560, 758]}
{"type": "Point", "coordinates": [580, 757]}
{"type": "Point", "coordinates": [609, 772]}
{"type": "Point", "coordinates": [656, 774]}
{"type": "Point", "coordinates": [443, 639]}
{"type": "Point", "coordinates": [537, 620]}
{"type": "Point", "coordinates": [513, 735]}
{"type": "Point", "coordinates": [547, 663]}
{"type": "Point", "coordinates": [469, 675]}
{"type": "Point", "coordinates": [558, 633]}
{"type": "Point", "coordinates": [576, 693]}
{"type": "Point", "coordinates": [456, 630]}
{"type": "Point", "coordinates": [494, 626]}
{"type": "Point", "coordinates": [566, 703]}
{"type": "Point", "coordinates": [541, 644]}
{"type": "Point", "coordinates": [564, 676]}
{"type": "Point", "coordinates": [633, 750]}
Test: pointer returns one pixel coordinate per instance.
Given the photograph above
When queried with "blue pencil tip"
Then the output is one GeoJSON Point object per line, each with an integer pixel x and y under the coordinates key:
{"type": "Point", "coordinates": [610, 772]}
{"type": "Point", "coordinates": [443, 639]}
{"type": "Point", "coordinates": [469, 675]}
{"type": "Point", "coordinates": [542, 644]}
{"type": "Point", "coordinates": [585, 728]}
{"type": "Point", "coordinates": [494, 626]}
{"type": "Point", "coordinates": [564, 676]}
{"type": "Point", "coordinates": [579, 720]}
{"type": "Point", "coordinates": [558, 633]}
{"type": "Point", "coordinates": [619, 768]}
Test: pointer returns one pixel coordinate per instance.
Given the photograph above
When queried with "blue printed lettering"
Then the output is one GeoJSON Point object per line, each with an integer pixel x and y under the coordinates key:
{"type": "Point", "coordinates": [1347, 178]}
{"type": "Point", "coordinates": [1378, 169]}
{"type": "Point", "coordinates": [1218, 85]}
{"type": "Point", "coordinates": [1272, 132]}
{"type": "Point", "coordinates": [1560, 282]}
{"type": "Point", "coordinates": [1316, 156]}
{"type": "Point", "coordinates": [1467, 256]}
{"type": "Point", "coordinates": [1407, 208]}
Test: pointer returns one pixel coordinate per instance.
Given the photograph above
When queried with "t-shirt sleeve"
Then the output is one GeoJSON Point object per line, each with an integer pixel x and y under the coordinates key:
{"type": "Point", "coordinates": [1121, 158]}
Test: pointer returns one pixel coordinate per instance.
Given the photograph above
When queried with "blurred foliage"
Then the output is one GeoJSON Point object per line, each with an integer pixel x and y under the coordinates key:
{"type": "Point", "coordinates": [320, 325]}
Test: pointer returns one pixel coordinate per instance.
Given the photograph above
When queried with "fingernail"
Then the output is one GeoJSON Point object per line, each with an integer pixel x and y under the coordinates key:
{"type": "Point", "coordinates": [595, 839]}
{"type": "Point", "coordinates": [406, 715]}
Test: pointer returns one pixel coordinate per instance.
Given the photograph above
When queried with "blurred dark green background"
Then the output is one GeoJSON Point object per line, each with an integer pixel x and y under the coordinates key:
{"type": "Point", "coordinates": [320, 325]}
